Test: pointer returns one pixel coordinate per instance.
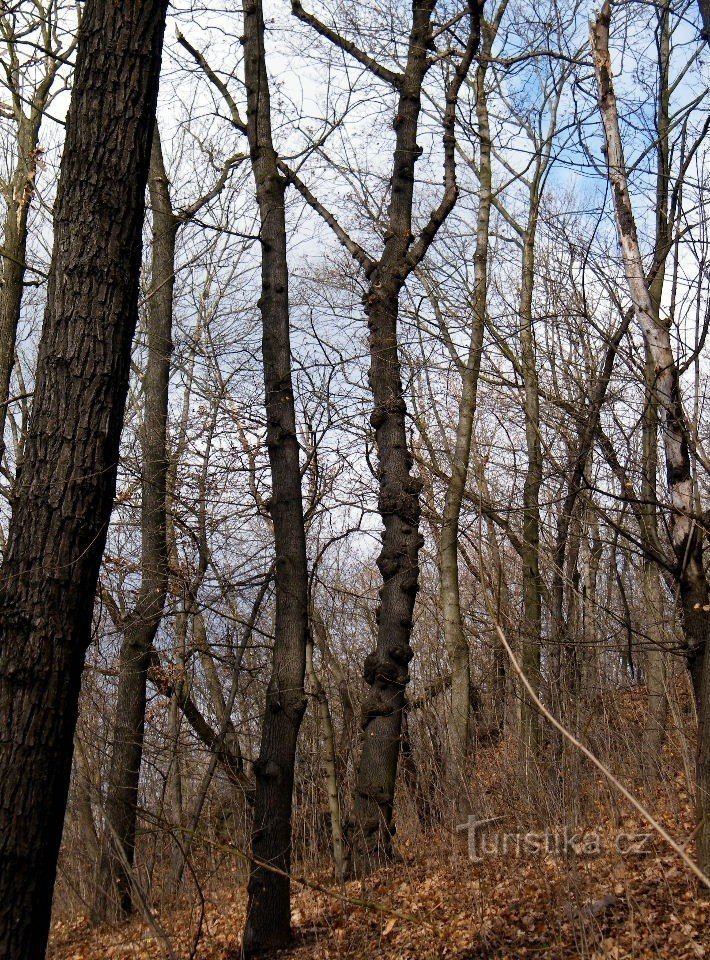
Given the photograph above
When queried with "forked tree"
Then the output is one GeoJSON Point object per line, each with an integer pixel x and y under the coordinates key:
{"type": "Point", "coordinates": [386, 671]}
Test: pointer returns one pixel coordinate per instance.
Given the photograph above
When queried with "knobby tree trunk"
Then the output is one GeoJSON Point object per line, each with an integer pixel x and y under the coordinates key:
{"type": "Point", "coordinates": [386, 673]}
{"type": "Point", "coordinates": [370, 828]}
{"type": "Point", "coordinates": [114, 894]}
{"type": "Point", "coordinates": [65, 489]}
{"type": "Point", "coordinates": [686, 538]}
{"type": "Point", "coordinates": [268, 923]}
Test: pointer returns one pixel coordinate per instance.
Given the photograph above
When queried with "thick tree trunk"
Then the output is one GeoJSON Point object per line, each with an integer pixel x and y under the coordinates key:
{"type": "Point", "coordinates": [458, 727]}
{"type": "Point", "coordinates": [268, 923]}
{"type": "Point", "coordinates": [114, 896]}
{"type": "Point", "coordinates": [685, 534]}
{"type": "Point", "coordinates": [65, 489]}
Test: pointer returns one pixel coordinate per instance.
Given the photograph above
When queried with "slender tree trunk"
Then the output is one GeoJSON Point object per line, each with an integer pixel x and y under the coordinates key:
{"type": "Point", "coordinates": [19, 193]}
{"type": "Point", "coordinates": [532, 591]}
{"type": "Point", "coordinates": [65, 489]}
{"type": "Point", "coordinates": [83, 788]}
{"type": "Point", "coordinates": [686, 537]}
{"type": "Point", "coordinates": [114, 892]}
{"type": "Point", "coordinates": [320, 636]}
{"type": "Point", "coordinates": [456, 643]}
{"type": "Point", "coordinates": [652, 589]}
{"type": "Point", "coordinates": [268, 924]}
{"type": "Point", "coordinates": [654, 732]}
{"type": "Point", "coordinates": [329, 763]}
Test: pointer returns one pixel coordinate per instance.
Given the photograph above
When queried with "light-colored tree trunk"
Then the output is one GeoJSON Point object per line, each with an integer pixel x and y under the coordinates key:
{"type": "Point", "coordinates": [114, 894]}
{"type": "Point", "coordinates": [458, 727]}
{"type": "Point", "coordinates": [28, 109]}
{"type": "Point", "coordinates": [654, 731]}
{"type": "Point", "coordinates": [686, 538]}
{"type": "Point", "coordinates": [329, 762]}
{"type": "Point", "coordinates": [531, 627]}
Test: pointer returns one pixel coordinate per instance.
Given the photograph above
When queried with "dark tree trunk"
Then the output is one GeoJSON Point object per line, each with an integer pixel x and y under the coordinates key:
{"type": "Point", "coordinates": [64, 491]}
{"type": "Point", "coordinates": [370, 828]}
{"type": "Point", "coordinates": [114, 894]}
{"type": "Point", "coordinates": [268, 924]}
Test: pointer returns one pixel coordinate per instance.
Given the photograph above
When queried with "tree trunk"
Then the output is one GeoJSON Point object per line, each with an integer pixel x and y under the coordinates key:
{"type": "Point", "coordinates": [655, 666]}
{"type": "Point", "coordinates": [329, 763]}
{"type": "Point", "coordinates": [65, 489]}
{"type": "Point", "coordinates": [370, 828]}
{"type": "Point", "coordinates": [654, 732]}
{"type": "Point", "coordinates": [114, 893]}
{"type": "Point", "coordinates": [268, 924]}
{"type": "Point", "coordinates": [18, 198]}
{"type": "Point", "coordinates": [685, 535]}
{"type": "Point", "coordinates": [532, 591]}
{"type": "Point", "coordinates": [459, 732]}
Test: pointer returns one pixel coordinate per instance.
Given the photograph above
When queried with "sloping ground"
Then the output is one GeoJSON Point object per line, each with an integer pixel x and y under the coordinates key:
{"type": "Point", "coordinates": [595, 905]}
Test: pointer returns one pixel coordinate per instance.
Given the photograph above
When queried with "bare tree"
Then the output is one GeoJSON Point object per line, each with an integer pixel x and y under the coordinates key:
{"type": "Point", "coordinates": [686, 531]}
{"type": "Point", "coordinates": [370, 827]}
{"type": "Point", "coordinates": [27, 108]}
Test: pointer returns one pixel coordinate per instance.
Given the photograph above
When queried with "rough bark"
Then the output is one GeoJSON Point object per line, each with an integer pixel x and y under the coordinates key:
{"type": "Point", "coordinates": [114, 895]}
{"type": "Point", "coordinates": [685, 534]}
{"type": "Point", "coordinates": [268, 923]}
{"type": "Point", "coordinates": [65, 489]}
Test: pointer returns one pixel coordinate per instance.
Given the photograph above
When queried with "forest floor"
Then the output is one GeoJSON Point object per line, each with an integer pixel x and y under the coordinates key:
{"type": "Point", "coordinates": [598, 903]}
